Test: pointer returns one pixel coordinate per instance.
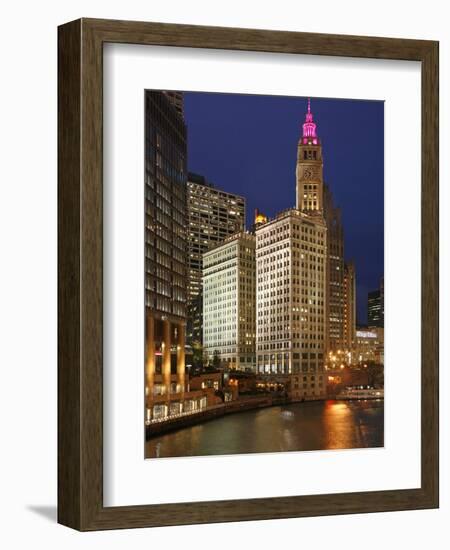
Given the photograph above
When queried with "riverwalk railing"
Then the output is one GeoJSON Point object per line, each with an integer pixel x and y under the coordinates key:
{"type": "Point", "coordinates": [160, 425]}
{"type": "Point", "coordinates": [183, 414]}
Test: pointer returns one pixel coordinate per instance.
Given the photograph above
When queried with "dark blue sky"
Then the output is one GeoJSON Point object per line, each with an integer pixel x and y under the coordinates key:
{"type": "Point", "coordinates": [247, 144]}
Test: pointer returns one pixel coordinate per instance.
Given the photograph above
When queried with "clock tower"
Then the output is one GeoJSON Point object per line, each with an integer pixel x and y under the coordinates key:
{"type": "Point", "coordinates": [309, 170]}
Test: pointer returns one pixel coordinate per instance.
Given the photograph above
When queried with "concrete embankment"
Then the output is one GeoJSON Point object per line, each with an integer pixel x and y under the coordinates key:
{"type": "Point", "coordinates": [217, 411]}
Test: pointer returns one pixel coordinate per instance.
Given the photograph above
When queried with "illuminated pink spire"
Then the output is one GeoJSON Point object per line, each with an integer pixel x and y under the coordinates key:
{"type": "Point", "coordinates": [309, 127]}
{"type": "Point", "coordinates": [309, 114]}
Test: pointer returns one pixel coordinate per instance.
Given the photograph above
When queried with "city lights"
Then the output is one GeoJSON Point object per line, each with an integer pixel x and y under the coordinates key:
{"type": "Point", "coordinates": [249, 314]}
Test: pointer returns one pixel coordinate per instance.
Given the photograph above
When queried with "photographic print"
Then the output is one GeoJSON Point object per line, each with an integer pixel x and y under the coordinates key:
{"type": "Point", "coordinates": [221, 273]}
{"type": "Point", "coordinates": [264, 270]}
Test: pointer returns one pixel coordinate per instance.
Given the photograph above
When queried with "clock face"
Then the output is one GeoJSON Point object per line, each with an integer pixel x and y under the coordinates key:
{"type": "Point", "coordinates": [307, 173]}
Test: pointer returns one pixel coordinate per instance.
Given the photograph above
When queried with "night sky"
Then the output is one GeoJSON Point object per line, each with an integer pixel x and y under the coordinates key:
{"type": "Point", "coordinates": [247, 145]}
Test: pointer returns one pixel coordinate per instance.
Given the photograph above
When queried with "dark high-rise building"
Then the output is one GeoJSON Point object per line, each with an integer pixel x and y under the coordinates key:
{"type": "Point", "coordinates": [375, 306]}
{"type": "Point", "coordinates": [176, 98]}
{"type": "Point", "coordinates": [194, 324]}
{"type": "Point", "coordinates": [349, 305]}
{"type": "Point", "coordinates": [165, 255]}
{"type": "Point", "coordinates": [212, 216]}
{"type": "Point", "coordinates": [335, 271]}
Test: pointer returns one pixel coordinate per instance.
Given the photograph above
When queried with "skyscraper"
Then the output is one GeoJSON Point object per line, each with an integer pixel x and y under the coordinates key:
{"type": "Point", "coordinates": [375, 306]}
{"type": "Point", "coordinates": [176, 98]}
{"type": "Point", "coordinates": [229, 302]}
{"type": "Point", "coordinates": [165, 255]}
{"type": "Point", "coordinates": [212, 216]}
{"type": "Point", "coordinates": [335, 279]}
{"type": "Point", "coordinates": [290, 297]}
{"type": "Point", "coordinates": [349, 306]}
{"type": "Point", "coordinates": [309, 171]}
{"type": "Point", "coordinates": [291, 271]}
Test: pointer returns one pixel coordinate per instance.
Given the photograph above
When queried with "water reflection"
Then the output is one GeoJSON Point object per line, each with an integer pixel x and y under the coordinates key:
{"type": "Point", "coordinates": [297, 427]}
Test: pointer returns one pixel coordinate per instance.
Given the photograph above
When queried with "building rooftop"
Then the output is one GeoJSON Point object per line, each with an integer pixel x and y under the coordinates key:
{"type": "Point", "coordinates": [198, 179]}
{"type": "Point", "coordinates": [289, 212]}
{"type": "Point", "coordinates": [201, 180]}
{"type": "Point", "coordinates": [231, 238]}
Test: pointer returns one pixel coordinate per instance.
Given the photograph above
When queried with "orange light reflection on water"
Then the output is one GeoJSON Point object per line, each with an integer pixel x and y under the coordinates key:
{"type": "Point", "coordinates": [339, 425]}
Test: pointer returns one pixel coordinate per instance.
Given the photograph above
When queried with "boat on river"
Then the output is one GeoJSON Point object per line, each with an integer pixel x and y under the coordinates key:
{"type": "Point", "coordinates": [361, 392]}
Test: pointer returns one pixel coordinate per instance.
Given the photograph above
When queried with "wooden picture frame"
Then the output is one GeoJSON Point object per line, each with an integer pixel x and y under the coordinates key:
{"type": "Point", "coordinates": [80, 271]}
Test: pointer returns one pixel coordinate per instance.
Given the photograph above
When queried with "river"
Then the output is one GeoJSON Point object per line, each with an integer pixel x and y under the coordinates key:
{"type": "Point", "coordinates": [309, 426]}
